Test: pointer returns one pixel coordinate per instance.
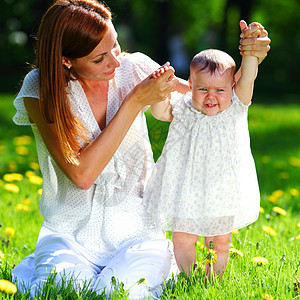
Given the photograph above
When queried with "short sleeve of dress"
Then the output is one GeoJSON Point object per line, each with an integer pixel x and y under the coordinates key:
{"type": "Point", "coordinates": [29, 89]}
{"type": "Point", "coordinates": [177, 102]}
{"type": "Point", "coordinates": [236, 100]}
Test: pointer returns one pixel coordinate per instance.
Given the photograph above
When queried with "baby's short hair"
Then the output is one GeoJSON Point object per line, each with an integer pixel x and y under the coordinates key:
{"type": "Point", "coordinates": [212, 60]}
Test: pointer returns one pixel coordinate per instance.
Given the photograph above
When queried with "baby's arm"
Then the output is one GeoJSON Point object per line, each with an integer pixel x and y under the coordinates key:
{"type": "Point", "coordinates": [245, 84]}
{"type": "Point", "coordinates": [162, 110]}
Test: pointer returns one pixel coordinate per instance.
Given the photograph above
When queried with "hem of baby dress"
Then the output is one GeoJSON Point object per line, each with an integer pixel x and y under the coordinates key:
{"type": "Point", "coordinates": [220, 226]}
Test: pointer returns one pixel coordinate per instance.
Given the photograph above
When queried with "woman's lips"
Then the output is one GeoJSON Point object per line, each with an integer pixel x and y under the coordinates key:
{"type": "Point", "coordinates": [111, 72]}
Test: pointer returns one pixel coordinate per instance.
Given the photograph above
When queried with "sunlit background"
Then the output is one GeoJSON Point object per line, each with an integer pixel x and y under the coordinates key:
{"type": "Point", "coordinates": [171, 30]}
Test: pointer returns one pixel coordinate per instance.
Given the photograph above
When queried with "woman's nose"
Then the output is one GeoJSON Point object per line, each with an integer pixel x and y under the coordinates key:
{"type": "Point", "coordinates": [114, 60]}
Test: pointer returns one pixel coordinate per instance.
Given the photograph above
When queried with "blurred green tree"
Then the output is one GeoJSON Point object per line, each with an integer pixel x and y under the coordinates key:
{"type": "Point", "coordinates": [150, 26]}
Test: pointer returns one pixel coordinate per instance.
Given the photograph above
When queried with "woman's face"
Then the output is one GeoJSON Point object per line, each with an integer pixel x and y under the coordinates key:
{"type": "Point", "coordinates": [101, 63]}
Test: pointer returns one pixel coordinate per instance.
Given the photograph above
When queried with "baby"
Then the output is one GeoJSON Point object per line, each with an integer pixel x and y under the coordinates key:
{"type": "Point", "coordinates": [205, 183]}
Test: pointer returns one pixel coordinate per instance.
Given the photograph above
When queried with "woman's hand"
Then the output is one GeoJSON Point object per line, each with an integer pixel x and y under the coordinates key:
{"type": "Point", "coordinates": [153, 89]}
{"type": "Point", "coordinates": [255, 40]}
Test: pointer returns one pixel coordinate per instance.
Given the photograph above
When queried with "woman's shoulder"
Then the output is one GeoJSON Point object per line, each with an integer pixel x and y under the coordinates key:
{"type": "Point", "coordinates": [29, 89]}
{"type": "Point", "coordinates": [134, 57]}
{"type": "Point", "coordinates": [138, 61]}
{"type": "Point", "coordinates": [31, 77]}
{"type": "Point", "coordinates": [29, 86]}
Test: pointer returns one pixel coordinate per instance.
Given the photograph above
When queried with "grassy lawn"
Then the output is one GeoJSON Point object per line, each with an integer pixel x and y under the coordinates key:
{"type": "Point", "coordinates": [274, 238]}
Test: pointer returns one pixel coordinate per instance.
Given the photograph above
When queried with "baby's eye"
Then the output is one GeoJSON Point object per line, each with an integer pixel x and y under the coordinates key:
{"type": "Point", "coordinates": [202, 89]}
{"type": "Point", "coordinates": [219, 90]}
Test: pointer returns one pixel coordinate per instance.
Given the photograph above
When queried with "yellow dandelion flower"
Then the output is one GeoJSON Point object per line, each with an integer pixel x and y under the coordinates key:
{"type": "Point", "coordinates": [1, 255]}
{"type": "Point", "coordinates": [13, 177]}
{"type": "Point", "coordinates": [298, 237]}
{"type": "Point", "coordinates": [236, 252]}
{"type": "Point", "coordinates": [200, 265]}
{"type": "Point", "coordinates": [279, 210]}
{"type": "Point", "coordinates": [267, 296]}
{"type": "Point", "coordinates": [272, 199]}
{"type": "Point", "coordinates": [261, 210]}
{"type": "Point", "coordinates": [19, 207]}
{"type": "Point", "coordinates": [266, 159]}
{"type": "Point", "coordinates": [235, 232]}
{"type": "Point", "coordinates": [211, 256]}
{"type": "Point", "coordinates": [7, 287]}
{"type": "Point", "coordinates": [26, 201]}
{"type": "Point", "coordinates": [259, 260]}
{"type": "Point", "coordinates": [22, 150]}
{"type": "Point", "coordinates": [294, 161]}
{"type": "Point", "coordinates": [22, 140]}
{"type": "Point", "coordinates": [294, 192]}
{"type": "Point", "coordinates": [25, 208]}
{"type": "Point", "coordinates": [12, 188]}
{"type": "Point", "coordinates": [9, 231]}
{"type": "Point", "coordinates": [34, 179]}
{"type": "Point", "coordinates": [278, 193]}
{"type": "Point", "coordinates": [298, 225]}
{"type": "Point", "coordinates": [29, 174]}
{"type": "Point", "coordinates": [269, 230]}
{"type": "Point", "coordinates": [34, 165]}
{"type": "Point", "coordinates": [40, 191]}
{"type": "Point", "coordinates": [22, 207]}
{"type": "Point", "coordinates": [200, 245]}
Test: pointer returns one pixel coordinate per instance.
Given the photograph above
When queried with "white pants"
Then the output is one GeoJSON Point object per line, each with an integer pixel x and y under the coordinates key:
{"type": "Point", "coordinates": [152, 260]}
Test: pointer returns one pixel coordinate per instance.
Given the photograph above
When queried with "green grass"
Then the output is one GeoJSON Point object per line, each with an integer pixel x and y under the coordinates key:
{"type": "Point", "coordinates": [275, 139]}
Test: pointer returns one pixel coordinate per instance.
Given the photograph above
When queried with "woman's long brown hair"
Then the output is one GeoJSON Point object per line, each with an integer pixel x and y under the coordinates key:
{"type": "Point", "coordinates": [71, 29]}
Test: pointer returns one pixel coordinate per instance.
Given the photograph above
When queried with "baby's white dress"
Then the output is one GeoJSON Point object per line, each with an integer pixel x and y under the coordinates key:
{"type": "Point", "coordinates": [205, 181]}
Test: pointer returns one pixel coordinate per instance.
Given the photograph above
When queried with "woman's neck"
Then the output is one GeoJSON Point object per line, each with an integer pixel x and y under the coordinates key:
{"type": "Point", "coordinates": [96, 93]}
{"type": "Point", "coordinates": [93, 84]}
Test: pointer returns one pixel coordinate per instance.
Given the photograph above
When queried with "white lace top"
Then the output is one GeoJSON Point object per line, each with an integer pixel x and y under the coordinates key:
{"type": "Point", "coordinates": [111, 212]}
{"type": "Point", "coordinates": [205, 180]}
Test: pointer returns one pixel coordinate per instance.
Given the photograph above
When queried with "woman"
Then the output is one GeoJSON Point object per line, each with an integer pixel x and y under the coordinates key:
{"type": "Point", "coordinates": [85, 103]}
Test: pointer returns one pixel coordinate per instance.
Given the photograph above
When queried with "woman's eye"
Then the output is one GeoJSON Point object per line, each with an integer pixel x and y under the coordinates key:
{"type": "Point", "coordinates": [99, 60]}
{"type": "Point", "coordinates": [116, 44]}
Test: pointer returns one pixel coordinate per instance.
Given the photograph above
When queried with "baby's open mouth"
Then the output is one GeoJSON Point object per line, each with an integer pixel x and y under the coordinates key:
{"type": "Point", "coordinates": [210, 105]}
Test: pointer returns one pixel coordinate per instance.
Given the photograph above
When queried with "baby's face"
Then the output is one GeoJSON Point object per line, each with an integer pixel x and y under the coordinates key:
{"type": "Point", "coordinates": [211, 93]}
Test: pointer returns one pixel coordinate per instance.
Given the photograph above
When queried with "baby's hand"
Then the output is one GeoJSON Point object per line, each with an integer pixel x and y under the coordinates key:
{"type": "Point", "coordinates": [161, 70]}
{"type": "Point", "coordinates": [254, 28]}
{"type": "Point", "coordinates": [255, 33]}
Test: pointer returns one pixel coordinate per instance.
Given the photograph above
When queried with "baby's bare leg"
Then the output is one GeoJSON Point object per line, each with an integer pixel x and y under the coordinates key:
{"type": "Point", "coordinates": [184, 249]}
{"type": "Point", "coordinates": [221, 245]}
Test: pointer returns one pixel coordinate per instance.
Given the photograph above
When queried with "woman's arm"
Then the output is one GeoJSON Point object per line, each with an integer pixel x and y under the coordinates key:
{"type": "Point", "coordinates": [94, 157]}
{"type": "Point", "coordinates": [163, 110]}
{"type": "Point", "coordinates": [249, 68]}
{"type": "Point", "coordinates": [252, 45]}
